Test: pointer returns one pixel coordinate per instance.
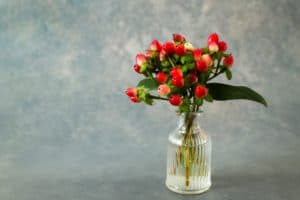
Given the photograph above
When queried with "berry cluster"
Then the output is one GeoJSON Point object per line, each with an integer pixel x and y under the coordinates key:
{"type": "Point", "coordinates": [179, 72]}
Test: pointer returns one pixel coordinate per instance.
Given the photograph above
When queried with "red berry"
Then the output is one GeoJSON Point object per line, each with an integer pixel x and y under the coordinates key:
{"type": "Point", "coordinates": [131, 92]}
{"type": "Point", "coordinates": [201, 91]}
{"type": "Point", "coordinates": [140, 59]}
{"type": "Point", "coordinates": [137, 68]}
{"type": "Point", "coordinates": [213, 47]}
{"type": "Point", "coordinates": [175, 72]}
{"type": "Point", "coordinates": [161, 77]}
{"type": "Point", "coordinates": [228, 61]}
{"type": "Point", "coordinates": [175, 100]}
{"type": "Point", "coordinates": [214, 37]}
{"type": "Point", "coordinates": [178, 38]}
{"type": "Point", "coordinates": [155, 45]}
{"type": "Point", "coordinates": [222, 46]}
{"type": "Point", "coordinates": [163, 90]}
{"type": "Point", "coordinates": [134, 99]}
{"type": "Point", "coordinates": [169, 47]}
{"type": "Point", "coordinates": [180, 50]}
{"type": "Point", "coordinates": [201, 66]}
{"type": "Point", "coordinates": [197, 53]}
{"type": "Point", "coordinates": [193, 78]}
{"type": "Point", "coordinates": [178, 81]}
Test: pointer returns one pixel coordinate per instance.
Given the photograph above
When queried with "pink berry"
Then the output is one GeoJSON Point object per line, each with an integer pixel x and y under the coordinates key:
{"type": "Point", "coordinates": [149, 54]}
{"type": "Point", "coordinates": [213, 47]}
{"type": "Point", "coordinates": [163, 90]}
{"type": "Point", "coordinates": [155, 45]}
{"type": "Point", "coordinates": [161, 77]}
{"type": "Point", "coordinates": [201, 91]}
{"type": "Point", "coordinates": [207, 58]}
{"type": "Point", "coordinates": [162, 55]}
{"type": "Point", "coordinates": [228, 61]}
{"type": "Point", "coordinates": [222, 46]}
{"type": "Point", "coordinates": [140, 59]}
{"type": "Point", "coordinates": [175, 100]}
{"type": "Point", "coordinates": [214, 37]}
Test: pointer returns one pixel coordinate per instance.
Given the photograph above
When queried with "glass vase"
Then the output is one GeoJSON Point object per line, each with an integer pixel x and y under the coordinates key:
{"type": "Point", "coordinates": [189, 156]}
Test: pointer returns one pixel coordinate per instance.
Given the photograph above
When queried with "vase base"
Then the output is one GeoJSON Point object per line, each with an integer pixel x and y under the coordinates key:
{"type": "Point", "coordinates": [180, 191]}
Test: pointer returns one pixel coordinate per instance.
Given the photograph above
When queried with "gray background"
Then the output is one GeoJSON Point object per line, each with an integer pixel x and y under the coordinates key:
{"type": "Point", "coordinates": [67, 131]}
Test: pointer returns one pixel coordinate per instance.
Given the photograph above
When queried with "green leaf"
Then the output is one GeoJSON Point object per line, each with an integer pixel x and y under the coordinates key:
{"type": "Point", "coordinates": [208, 98]}
{"type": "Point", "coordinates": [198, 101]}
{"type": "Point", "coordinates": [184, 68]}
{"type": "Point", "coordinates": [222, 92]}
{"type": "Point", "coordinates": [148, 83]}
{"type": "Point", "coordinates": [228, 74]}
{"type": "Point", "coordinates": [184, 108]}
{"type": "Point", "coordinates": [148, 100]}
{"type": "Point", "coordinates": [188, 58]}
{"type": "Point", "coordinates": [189, 65]}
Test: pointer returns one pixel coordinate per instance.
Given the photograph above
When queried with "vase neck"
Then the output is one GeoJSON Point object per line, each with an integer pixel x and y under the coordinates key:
{"type": "Point", "coordinates": [189, 122]}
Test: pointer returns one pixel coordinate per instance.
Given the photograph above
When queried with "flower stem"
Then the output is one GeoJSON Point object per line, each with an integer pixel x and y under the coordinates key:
{"type": "Point", "coordinates": [170, 60]}
{"type": "Point", "coordinates": [157, 97]}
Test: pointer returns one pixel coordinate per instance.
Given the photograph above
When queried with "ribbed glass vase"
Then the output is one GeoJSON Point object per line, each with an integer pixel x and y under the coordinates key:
{"type": "Point", "coordinates": [189, 157]}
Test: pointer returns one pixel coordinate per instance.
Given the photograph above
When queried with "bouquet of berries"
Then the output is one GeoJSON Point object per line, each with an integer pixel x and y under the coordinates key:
{"type": "Point", "coordinates": [177, 72]}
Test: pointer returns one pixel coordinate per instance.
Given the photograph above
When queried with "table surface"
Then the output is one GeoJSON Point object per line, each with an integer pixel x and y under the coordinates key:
{"type": "Point", "coordinates": [68, 132]}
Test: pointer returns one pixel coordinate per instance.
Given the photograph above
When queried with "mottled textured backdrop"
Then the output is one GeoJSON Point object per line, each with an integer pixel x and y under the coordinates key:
{"type": "Point", "coordinates": [67, 131]}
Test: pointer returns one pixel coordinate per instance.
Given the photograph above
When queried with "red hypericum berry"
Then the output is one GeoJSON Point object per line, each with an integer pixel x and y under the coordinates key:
{"type": "Point", "coordinates": [228, 61]}
{"type": "Point", "coordinates": [201, 91]}
{"type": "Point", "coordinates": [169, 47]}
{"type": "Point", "coordinates": [175, 72]}
{"type": "Point", "coordinates": [178, 81]}
{"type": "Point", "coordinates": [222, 46]}
{"type": "Point", "coordinates": [134, 99]}
{"type": "Point", "coordinates": [137, 68]}
{"type": "Point", "coordinates": [162, 55]}
{"type": "Point", "coordinates": [163, 90]}
{"type": "Point", "coordinates": [155, 45]}
{"type": "Point", "coordinates": [201, 66]}
{"type": "Point", "coordinates": [180, 50]}
{"type": "Point", "coordinates": [214, 37]}
{"type": "Point", "coordinates": [175, 100]}
{"type": "Point", "coordinates": [178, 38]}
{"type": "Point", "coordinates": [213, 47]}
{"type": "Point", "coordinates": [140, 59]}
{"type": "Point", "coordinates": [197, 53]}
{"type": "Point", "coordinates": [193, 78]}
{"type": "Point", "coordinates": [207, 58]}
{"type": "Point", "coordinates": [161, 77]}
{"type": "Point", "coordinates": [131, 92]}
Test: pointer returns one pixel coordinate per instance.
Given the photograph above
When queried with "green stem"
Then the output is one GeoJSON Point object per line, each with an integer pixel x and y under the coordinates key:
{"type": "Point", "coordinates": [157, 97]}
{"type": "Point", "coordinates": [170, 60]}
{"type": "Point", "coordinates": [217, 72]}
